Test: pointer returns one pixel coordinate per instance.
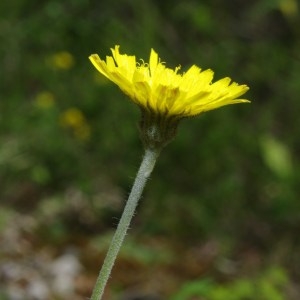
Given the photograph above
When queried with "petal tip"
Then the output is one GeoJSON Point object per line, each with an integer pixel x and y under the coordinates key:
{"type": "Point", "coordinates": [93, 56]}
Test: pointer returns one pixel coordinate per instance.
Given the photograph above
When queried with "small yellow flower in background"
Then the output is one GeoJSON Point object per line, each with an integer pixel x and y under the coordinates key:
{"type": "Point", "coordinates": [74, 119]}
{"type": "Point", "coordinates": [44, 100]}
{"type": "Point", "coordinates": [62, 60]}
{"type": "Point", "coordinates": [164, 95]}
{"type": "Point", "coordinates": [289, 8]}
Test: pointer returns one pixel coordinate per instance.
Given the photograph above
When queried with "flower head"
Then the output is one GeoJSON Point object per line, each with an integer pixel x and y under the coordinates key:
{"type": "Point", "coordinates": [63, 60]}
{"type": "Point", "coordinates": [163, 94]}
{"type": "Point", "coordinates": [75, 120]}
{"type": "Point", "coordinates": [44, 100]}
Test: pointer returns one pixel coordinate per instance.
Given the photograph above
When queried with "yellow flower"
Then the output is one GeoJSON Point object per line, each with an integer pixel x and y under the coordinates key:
{"type": "Point", "coordinates": [62, 60]}
{"type": "Point", "coordinates": [44, 100]}
{"type": "Point", "coordinates": [74, 119]}
{"type": "Point", "coordinates": [289, 8]}
{"type": "Point", "coordinates": [164, 95]}
{"type": "Point", "coordinates": [164, 91]}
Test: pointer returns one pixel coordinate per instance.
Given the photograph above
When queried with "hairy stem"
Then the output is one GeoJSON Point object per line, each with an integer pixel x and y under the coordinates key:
{"type": "Point", "coordinates": [143, 174]}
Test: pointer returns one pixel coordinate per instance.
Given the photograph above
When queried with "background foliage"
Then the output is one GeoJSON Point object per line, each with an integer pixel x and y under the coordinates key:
{"type": "Point", "coordinates": [69, 144]}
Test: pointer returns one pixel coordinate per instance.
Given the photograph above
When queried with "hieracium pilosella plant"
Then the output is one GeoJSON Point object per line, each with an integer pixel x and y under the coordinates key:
{"type": "Point", "coordinates": [165, 97]}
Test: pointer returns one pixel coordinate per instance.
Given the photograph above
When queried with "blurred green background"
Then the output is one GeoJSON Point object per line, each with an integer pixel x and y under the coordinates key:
{"type": "Point", "coordinates": [220, 218]}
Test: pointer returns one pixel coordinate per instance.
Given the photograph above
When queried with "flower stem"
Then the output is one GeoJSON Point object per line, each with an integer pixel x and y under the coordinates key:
{"type": "Point", "coordinates": [143, 174]}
